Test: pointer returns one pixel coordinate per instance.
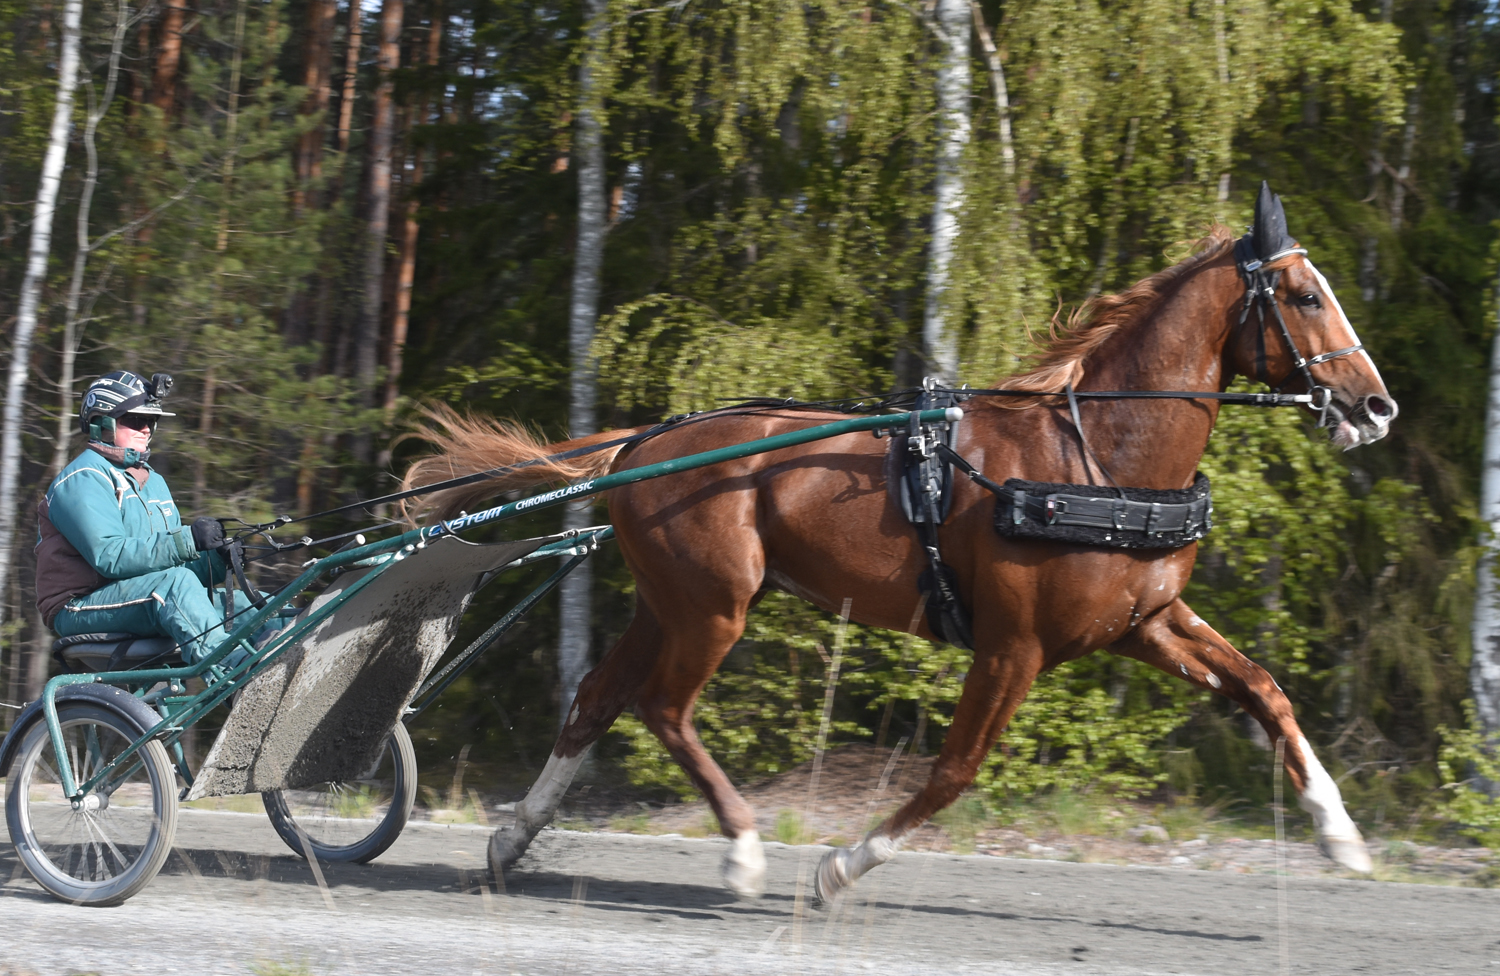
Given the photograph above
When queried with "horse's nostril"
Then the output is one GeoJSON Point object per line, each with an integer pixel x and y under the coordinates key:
{"type": "Point", "coordinates": [1378, 407]}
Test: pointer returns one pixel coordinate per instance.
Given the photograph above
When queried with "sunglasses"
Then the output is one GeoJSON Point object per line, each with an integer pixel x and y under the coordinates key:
{"type": "Point", "coordinates": [137, 422]}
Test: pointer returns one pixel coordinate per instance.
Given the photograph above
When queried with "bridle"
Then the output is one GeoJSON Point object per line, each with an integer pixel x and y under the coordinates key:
{"type": "Point", "coordinates": [1260, 292]}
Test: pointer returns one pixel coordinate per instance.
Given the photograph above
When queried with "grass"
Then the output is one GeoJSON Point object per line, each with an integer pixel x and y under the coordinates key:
{"type": "Point", "coordinates": [963, 821]}
{"type": "Point", "coordinates": [639, 823]}
{"type": "Point", "coordinates": [249, 803]}
{"type": "Point", "coordinates": [280, 969]}
{"type": "Point", "coordinates": [457, 806]}
{"type": "Point", "coordinates": [791, 830]}
{"type": "Point", "coordinates": [1186, 821]}
{"type": "Point", "coordinates": [708, 826]}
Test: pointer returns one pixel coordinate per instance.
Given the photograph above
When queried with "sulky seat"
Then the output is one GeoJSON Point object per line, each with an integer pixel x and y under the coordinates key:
{"type": "Point", "coordinates": [115, 652]}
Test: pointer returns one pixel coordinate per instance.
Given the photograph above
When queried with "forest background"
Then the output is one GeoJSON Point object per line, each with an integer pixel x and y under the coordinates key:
{"type": "Point", "coordinates": [594, 213]}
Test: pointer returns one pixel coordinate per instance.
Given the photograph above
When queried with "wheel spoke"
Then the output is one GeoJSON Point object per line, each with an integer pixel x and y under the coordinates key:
{"type": "Point", "coordinates": [116, 839]}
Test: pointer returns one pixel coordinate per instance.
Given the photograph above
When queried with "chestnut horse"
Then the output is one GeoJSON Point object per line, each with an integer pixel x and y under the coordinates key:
{"type": "Point", "coordinates": [819, 521]}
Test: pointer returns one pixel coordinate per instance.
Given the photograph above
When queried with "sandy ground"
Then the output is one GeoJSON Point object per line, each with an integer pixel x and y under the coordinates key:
{"type": "Point", "coordinates": [859, 784]}
{"type": "Point", "coordinates": [232, 897]}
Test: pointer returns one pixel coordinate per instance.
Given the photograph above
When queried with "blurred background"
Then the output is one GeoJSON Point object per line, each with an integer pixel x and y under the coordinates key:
{"type": "Point", "coordinates": [318, 215]}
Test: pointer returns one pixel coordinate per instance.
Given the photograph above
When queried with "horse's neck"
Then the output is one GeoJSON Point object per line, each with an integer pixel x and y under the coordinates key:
{"type": "Point", "coordinates": [1180, 345]}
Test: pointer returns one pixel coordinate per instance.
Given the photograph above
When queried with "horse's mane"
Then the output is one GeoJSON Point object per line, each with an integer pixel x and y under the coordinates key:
{"type": "Point", "coordinates": [1089, 325]}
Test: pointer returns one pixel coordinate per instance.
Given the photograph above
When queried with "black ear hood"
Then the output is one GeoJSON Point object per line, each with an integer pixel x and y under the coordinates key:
{"type": "Point", "coordinates": [1268, 235]}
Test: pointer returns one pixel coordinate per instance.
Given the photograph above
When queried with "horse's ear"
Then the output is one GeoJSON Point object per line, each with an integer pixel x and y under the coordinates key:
{"type": "Point", "coordinates": [1271, 237]}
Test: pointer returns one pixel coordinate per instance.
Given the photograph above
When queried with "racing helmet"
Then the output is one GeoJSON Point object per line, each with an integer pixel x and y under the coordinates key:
{"type": "Point", "coordinates": [116, 394]}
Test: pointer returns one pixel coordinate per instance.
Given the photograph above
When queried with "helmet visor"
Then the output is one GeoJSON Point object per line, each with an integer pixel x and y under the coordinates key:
{"type": "Point", "coordinates": [139, 421]}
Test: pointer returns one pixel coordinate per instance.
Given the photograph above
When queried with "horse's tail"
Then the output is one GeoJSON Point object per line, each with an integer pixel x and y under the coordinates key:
{"type": "Point", "coordinates": [469, 444]}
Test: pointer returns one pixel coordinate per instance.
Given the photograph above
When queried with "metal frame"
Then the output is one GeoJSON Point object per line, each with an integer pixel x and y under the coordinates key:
{"type": "Point", "coordinates": [180, 711]}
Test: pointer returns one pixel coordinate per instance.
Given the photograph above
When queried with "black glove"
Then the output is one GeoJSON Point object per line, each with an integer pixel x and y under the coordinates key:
{"type": "Point", "coordinates": [208, 534]}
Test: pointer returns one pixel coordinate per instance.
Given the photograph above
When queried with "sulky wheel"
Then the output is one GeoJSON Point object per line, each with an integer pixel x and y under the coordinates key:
{"type": "Point", "coordinates": [352, 821]}
{"type": "Point", "coordinates": [110, 845]}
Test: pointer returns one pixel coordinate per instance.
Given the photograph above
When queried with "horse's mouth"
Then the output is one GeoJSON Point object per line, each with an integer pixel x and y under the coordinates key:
{"type": "Point", "coordinates": [1365, 422]}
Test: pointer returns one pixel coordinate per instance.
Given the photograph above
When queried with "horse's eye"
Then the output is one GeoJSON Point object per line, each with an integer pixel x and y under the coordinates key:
{"type": "Point", "coordinates": [1310, 300]}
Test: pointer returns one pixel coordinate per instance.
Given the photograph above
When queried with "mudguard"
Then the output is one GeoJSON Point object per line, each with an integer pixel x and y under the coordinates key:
{"type": "Point", "coordinates": [135, 712]}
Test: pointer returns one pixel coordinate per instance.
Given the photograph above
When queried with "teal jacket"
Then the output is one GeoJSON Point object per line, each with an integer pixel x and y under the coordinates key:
{"type": "Point", "coordinates": [101, 521]}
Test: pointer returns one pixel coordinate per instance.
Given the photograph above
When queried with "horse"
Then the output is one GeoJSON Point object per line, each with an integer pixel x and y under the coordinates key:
{"type": "Point", "coordinates": [819, 522]}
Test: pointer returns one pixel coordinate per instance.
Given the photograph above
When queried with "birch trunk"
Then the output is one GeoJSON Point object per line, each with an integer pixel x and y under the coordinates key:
{"type": "Point", "coordinates": [997, 82]}
{"type": "Point", "coordinates": [939, 338]}
{"type": "Point", "coordinates": [31, 290]}
{"type": "Point", "coordinates": [367, 341]}
{"type": "Point", "coordinates": [71, 323]}
{"type": "Point", "coordinates": [1484, 672]}
{"type": "Point", "coordinates": [1403, 174]}
{"type": "Point", "coordinates": [575, 610]}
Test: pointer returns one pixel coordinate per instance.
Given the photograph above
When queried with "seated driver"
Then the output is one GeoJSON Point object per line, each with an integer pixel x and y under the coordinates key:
{"type": "Point", "coordinates": [112, 553]}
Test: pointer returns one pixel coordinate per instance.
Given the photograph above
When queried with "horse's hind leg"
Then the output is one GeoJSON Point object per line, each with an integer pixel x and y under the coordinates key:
{"type": "Point", "coordinates": [692, 649]}
{"type": "Point", "coordinates": [602, 695]}
{"type": "Point", "coordinates": [1178, 642]}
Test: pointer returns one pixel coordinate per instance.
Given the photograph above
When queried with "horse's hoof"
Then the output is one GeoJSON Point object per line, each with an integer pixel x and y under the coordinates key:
{"type": "Point", "coordinates": [745, 866]}
{"type": "Point", "coordinates": [831, 877]}
{"type": "Point", "coordinates": [1349, 853]}
{"type": "Point", "coordinates": [507, 845]}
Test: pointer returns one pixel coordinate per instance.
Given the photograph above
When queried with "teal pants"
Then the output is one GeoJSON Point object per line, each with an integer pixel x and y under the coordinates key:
{"type": "Point", "coordinates": [172, 603]}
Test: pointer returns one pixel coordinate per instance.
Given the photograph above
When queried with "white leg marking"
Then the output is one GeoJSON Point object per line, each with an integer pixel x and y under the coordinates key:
{"type": "Point", "coordinates": [841, 867]}
{"type": "Point", "coordinates": [1337, 835]}
{"type": "Point", "coordinates": [745, 866]}
{"type": "Point", "coordinates": [535, 812]}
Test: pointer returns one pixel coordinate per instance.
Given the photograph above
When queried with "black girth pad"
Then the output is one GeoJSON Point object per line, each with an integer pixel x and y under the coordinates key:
{"type": "Point", "coordinates": [1089, 515]}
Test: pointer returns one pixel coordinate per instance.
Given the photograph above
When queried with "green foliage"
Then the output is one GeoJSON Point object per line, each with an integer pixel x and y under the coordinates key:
{"type": "Point", "coordinates": [770, 171]}
{"type": "Point", "coordinates": [1072, 736]}
{"type": "Point", "coordinates": [1469, 764]}
{"type": "Point", "coordinates": [760, 714]}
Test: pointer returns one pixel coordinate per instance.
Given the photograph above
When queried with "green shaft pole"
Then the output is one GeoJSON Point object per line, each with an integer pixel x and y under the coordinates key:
{"type": "Point", "coordinates": [702, 460]}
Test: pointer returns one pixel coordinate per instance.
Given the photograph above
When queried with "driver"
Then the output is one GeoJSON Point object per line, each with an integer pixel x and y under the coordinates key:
{"type": "Point", "coordinates": [112, 553]}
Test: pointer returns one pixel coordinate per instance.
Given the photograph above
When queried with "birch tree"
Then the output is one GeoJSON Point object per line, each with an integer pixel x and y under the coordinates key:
{"type": "Point", "coordinates": [939, 337]}
{"type": "Point", "coordinates": [574, 595]}
{"type": "Point", "coordinates": [1485, 668]}
{"type": "Point", "coordinates": [31, 288]}
{"type": "Point", "coordinates": [71, 323]}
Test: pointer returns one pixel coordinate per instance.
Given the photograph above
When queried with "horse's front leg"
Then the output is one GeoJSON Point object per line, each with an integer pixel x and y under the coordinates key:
{"type": "Point", "coordinates": [1177, 641]}
{"type": "Point", "coordinates": [995, 687]}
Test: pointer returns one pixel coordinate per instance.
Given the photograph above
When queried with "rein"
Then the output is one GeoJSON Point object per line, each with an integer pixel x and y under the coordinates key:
{"type": "Point", "coordinates": [750, 405]}
{"type": "Point", "coordinates": [1260, 292]}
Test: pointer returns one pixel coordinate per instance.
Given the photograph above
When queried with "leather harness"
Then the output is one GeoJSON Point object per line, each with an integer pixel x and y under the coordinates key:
{"type": "Point", "coordinates": [1093, 515]}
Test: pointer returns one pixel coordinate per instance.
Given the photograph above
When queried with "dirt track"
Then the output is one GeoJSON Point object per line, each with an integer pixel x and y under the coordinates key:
{"type": "Point", "coordinates": [597, 903]}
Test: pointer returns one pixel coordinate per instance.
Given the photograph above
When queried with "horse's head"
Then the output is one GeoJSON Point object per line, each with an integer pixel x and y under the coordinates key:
{"type": "Point", "coordinates": [1295, 335]}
